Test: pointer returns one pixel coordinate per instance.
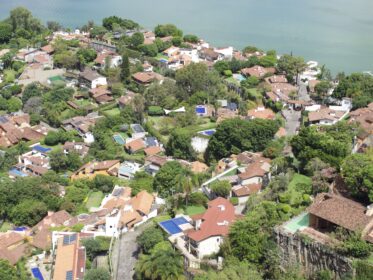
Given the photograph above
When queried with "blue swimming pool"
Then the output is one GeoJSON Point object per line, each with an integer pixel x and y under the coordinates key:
{"type": "Point", "coordinates": [41, 149]}
{"type": "Point", "coordinates": [119, 139]}
{"type": "Point", "coordinates": [209, 132]}
{"type": "Point", "coordinates": [201, 110]}
{"type": "Point", "coordinates": [17, 173]}
{"type": "Point", "coordinates": [239, 77]}
{"type": "Point", "coordinates": [36, 273]}
{"type": "Point", "coordinates": [20, 229]}
{"type": "Point", "coordinates": [172, 226]}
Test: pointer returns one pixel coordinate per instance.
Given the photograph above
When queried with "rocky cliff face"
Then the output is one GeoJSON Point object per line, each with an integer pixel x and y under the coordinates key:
{"type": "Point", "coordinates": [312, 256]}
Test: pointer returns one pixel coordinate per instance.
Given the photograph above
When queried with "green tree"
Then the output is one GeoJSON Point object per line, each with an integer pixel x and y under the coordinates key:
{"type": "Point", "coordinates": [150, 237]}
{"type": "Point", "coordinates": [354, 246]}
{"type": "Point", "coordinates": [58, 161]}
{"type": "Point", "coordinates": [331, 145]}
{"type": "Point", "coordinates": [322, 89]}
{"type": "Point", "coordinates": [5, 32]}
{"type": "Point", "coordinates": [137, 39]}
{"type": "Point", "coordinates": [86, 55]}
{"type": "Point", "coordinates": [167, 30]}
{"type": "Point", "coordinates": [163, 263]}
{"type": "Point", "coordinates": [21, 18]}
{"type": "Point", "coordinates": [232, 271]}
{"type": "Point", "coordinates": [165, 181]}
{"type": "Point", "coordinates": [150, 50]}
{"type": "Point", "coordinates": [54, 26]}
{"type": "Point", "coordinates": [191, 38]}
{"type": "Point", "coordinates": [142, 181]}
{"type": "Point", "coordinates": [248, 237]}
{"type": "Point", "coordinates": [125, 68]}
{"type": "Point", "coordinates": [98, 246]}
{"type": "Point", "coordinates": [28, 212]}
{"type": "Point", "coordinates": [357, 171]}
{"type": "Point", "coordinates": [97, 31]}
{"type": "Point", "coordinates": [196, 77]}
{"type": "Point", "coordinates": [291, 65]}
{"type": "Point", "coordinates": [358, 86]}
{"type": "Point", "coordinates": [97, 274]}
{"type": "Point", "coordinates": [235, 135]}
{"type": "Point", "coordinates": [221, 188]}
{"type": "Point", "coordinates": [66, 59]}
{"type": "Point", "coordinates": [14, 104]}
{"type": "Point", "coordinates": [7, 271]}
{"type": "Point", "coordinates": [161, 95]}
{"type": "Point", "coordinates": [179, 145]}
{"type": "Point", "coordinates": [31, 90]}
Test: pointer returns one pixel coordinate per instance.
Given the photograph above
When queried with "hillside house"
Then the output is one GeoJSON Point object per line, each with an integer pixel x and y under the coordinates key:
{"type": "Point", "coordinates": [92, 169]}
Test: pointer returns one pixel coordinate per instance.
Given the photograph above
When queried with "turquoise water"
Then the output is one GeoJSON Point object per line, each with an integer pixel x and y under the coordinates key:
{"type": "Point", "coordinates": [336, 32]}
{"type": "Point", "coordinates": [298, 222]}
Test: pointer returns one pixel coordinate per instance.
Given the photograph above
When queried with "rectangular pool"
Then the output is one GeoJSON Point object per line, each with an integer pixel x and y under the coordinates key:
{"type": "Point", "coordinates": [297, 223]}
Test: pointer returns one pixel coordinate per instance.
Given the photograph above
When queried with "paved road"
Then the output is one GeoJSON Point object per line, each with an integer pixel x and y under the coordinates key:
{"type": "Point", "coordinates": [303, 93]}
{"type": "Point", "coordinates": [125, 254]}
{"type": "Point", "coordinates": [292, 121]}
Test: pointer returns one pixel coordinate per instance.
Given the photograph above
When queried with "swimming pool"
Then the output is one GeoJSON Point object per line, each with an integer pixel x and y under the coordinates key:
{"type": "Point", "coordinates": [208, 132]}
{"type": "Point", "coordinates": [239, 77]}
{"type": "Point", "coordinates": [36, 273]}
{"type": "Point", "coordinates": [200, 109]}
{"type": "Point", "coordinates": [119, 139]}
{"type": "Point", "coordinates": [297, 223]}
{"type": "Point", "coordinates": [17, 173]}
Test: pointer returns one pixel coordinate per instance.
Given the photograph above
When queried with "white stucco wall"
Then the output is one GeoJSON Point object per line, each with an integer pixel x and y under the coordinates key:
{"type": "Point", "coordinates": [209, 246]}
{"type": "Point", "coordinates": [254, 180]}
{"type": "Point", "coordinates": [99, 82]}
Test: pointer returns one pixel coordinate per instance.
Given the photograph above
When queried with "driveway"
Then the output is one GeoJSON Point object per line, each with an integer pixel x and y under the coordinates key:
{"type": "Point", "coordinates": [125, 254]}
{"type": "Point", "coordinates": [292, 121]}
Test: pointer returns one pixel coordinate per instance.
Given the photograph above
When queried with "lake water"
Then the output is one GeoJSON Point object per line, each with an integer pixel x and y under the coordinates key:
{"type": "Point", "coordinates": [338, 33]}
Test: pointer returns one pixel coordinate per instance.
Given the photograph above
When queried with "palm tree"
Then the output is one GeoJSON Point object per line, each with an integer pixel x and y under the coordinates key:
{"type": "Point", "coordinates": [162, 264]}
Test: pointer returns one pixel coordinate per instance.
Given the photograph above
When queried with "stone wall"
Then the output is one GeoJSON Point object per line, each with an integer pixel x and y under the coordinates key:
{"type": "Point", "coordinates": [312, 256]}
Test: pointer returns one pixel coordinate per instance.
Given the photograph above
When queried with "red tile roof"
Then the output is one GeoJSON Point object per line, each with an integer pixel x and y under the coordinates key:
{"type": "Point", "coordinates": [215, 221]}
{"type": "Point", "coordinates": [152, 150]}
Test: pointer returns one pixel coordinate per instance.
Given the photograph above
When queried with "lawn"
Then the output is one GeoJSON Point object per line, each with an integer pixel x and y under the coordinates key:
{"type": "Point", "coordinates": [297, 179]}
{"type": "Point", "coordinates": [82, 102]}
{"type": "Point", "coordinates": [161, 218]}
{"type": "Point", "coordinates": [161, 56]}
{"type": "Point", "coordinates": [94, 199]}
{"type": "Point", "coordinates": [113, 112]}
{"type": "Point", "coordinates": [5, 227]}
{"type": "Point", "coordinates": [54, 148]}
{"type": "Point", "coordinates": [194, 210]}
{"type": "Point", "coordinates": [68, 113]}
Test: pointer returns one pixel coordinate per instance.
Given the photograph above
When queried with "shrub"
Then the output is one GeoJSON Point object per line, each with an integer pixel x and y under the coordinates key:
{"type": "Point", "coordinates": [198, 198]}
{"type": "Point", "coordinates": [155, 111]}
{"type": "Point", "coordinates": [228, 73]}
{"type": "Point", "coordinates": [234, 200]}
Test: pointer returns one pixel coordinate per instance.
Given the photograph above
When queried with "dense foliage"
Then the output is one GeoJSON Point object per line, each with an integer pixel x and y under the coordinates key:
{"type": "Point", "coordinates": [331, 144]}
{"type": "Point", "coordinates": [235, 135]}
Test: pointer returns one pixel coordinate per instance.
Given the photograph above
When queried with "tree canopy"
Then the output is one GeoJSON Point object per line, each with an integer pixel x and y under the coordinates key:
{"type": "Point", "coordinates": [179, 145]}
{"type": "Point", "coordinates": [235, 135]}
{"type": "Point", "coordinates": [357, 171]}
{"type": "Point", "coordinates": [166, 181]}
{"type": "Point", "coordinates": [331, 145]}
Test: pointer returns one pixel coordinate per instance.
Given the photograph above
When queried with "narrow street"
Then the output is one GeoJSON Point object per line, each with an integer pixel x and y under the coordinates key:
{"type": "Point", "coordinates": [125, 254]}
{"type": "Point", "coordinates": [292, 121]}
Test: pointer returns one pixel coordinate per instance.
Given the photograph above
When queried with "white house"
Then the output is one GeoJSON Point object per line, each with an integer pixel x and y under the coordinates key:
{"type": "Point", "coordinates": [210, 228]}
{"type": "Point", "coordinates": [92, 79]}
